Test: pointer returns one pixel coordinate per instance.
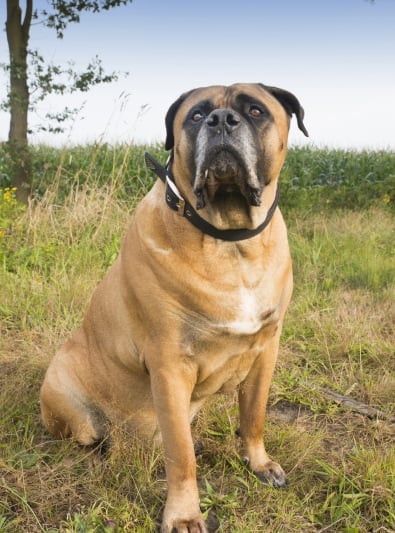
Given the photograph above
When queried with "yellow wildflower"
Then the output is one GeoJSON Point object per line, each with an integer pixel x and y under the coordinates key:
{"type": "Point", "coordinates": [7, 196]}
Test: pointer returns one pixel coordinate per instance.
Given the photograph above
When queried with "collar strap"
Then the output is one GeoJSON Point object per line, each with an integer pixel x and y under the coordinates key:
{"type": "Point", "coordinates": [178, 204]}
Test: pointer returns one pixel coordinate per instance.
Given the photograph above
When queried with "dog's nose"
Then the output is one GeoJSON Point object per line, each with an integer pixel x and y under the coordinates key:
{"type": "Point", "coordinates": [223, 120]}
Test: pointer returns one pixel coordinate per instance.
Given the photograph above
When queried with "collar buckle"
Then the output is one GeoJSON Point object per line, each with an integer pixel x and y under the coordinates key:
{"type": "Point", "coordinates": [180, 207]}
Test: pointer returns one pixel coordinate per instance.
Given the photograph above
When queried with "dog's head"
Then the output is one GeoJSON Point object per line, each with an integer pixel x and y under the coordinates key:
{"type": "Point", "coordinates": [228, 144]}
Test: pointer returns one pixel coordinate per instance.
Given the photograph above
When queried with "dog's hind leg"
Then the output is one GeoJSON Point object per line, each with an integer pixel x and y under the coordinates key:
{"type": "Point", "coordinates": [65, 410]}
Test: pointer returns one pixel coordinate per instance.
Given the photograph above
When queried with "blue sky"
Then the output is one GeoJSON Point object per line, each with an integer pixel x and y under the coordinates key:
{"type": "Point", "coordinates": [337, 56]}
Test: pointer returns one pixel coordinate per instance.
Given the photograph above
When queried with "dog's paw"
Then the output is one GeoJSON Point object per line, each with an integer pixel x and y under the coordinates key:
{"type": "Point", "coordinates": [195, 525]}
{"type": "Point", "coordinates": [272, 473]}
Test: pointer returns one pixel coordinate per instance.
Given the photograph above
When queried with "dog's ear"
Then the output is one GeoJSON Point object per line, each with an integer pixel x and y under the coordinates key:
{"type": "Point", "coordinates": [169, 120]}
{"type": "Point", "coordinates": [290, 103]}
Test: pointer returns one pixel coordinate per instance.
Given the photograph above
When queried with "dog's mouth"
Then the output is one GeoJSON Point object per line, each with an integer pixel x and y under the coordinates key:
{"type": "Point", "coordinates": [223, 176]}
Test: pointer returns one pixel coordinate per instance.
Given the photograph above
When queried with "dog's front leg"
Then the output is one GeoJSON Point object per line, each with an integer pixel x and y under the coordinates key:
{"type": "Point", "coordinates": [172, 389]}
{"type": "Point", "coordinates": [253, 395]}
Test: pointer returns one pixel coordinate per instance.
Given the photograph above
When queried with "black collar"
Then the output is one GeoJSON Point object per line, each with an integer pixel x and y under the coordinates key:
{"type": "Point", "coordinates": [177, 203]}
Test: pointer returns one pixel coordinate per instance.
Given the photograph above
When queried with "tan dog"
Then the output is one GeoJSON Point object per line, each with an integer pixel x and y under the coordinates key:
{"type": "Point", "coordinates": [195, 302]}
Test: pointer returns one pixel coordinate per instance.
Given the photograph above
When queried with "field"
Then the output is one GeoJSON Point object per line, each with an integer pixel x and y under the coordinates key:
{"type": "Point", "coordinates": [338, 451]}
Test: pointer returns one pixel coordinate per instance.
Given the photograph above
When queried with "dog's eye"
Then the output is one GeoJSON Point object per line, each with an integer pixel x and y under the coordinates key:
{"type": "Point", "coordinates": [197, 116]}
{"type": "Point", "coordinates": [255, 112]}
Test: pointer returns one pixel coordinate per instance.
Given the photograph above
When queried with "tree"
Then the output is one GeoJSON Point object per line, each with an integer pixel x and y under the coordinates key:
{"type": "Point", "coordinates": [18, 38]}
{"type": "Point", "coordinates": [28, 86]}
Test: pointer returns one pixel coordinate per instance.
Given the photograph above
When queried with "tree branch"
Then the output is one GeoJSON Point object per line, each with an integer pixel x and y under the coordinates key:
{"type": "Point", "coordinates": [28, 17]}
{"type": "Point", "coordinates": [354, 405]}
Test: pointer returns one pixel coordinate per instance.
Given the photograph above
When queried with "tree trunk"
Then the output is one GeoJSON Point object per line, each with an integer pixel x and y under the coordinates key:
{"type": "Point", "coordinates": [18, 38]}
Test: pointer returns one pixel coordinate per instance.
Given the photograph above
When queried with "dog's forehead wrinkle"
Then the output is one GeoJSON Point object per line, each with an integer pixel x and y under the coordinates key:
{"type": "Point", "coordinates": [204, 94]}
{"type": "Point", "coordinates": [226, 96]}
{"type": "Point", "coordinates": [219, 96]}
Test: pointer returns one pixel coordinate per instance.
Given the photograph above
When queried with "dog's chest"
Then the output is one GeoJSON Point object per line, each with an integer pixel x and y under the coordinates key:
{"type": "Point", "coordinates": [225, 343]}
{"type": "Point", "coordinates": [236, 316]}
{"type": "Point", "coordinates": [247, 313]}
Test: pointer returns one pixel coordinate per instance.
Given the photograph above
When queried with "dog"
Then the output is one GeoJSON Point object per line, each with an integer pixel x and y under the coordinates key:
{"type": "Point", "coordinates": [195, 301]}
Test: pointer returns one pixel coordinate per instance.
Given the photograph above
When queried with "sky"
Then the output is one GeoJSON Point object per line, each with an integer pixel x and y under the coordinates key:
{"type": "Point", "coordinates": [336, 56]}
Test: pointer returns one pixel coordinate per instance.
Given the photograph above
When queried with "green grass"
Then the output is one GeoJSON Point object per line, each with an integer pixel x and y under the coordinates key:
{"type": "Point", "coordinates": [338, 334]}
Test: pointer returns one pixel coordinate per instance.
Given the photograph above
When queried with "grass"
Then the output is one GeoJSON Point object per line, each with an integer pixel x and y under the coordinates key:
{"type": "Point", "coordinates": [339, 334]}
